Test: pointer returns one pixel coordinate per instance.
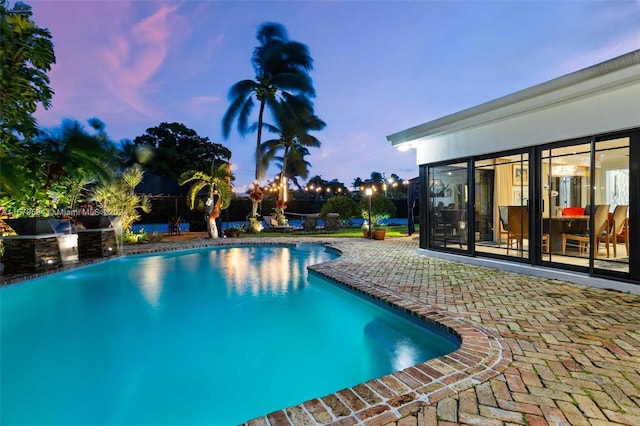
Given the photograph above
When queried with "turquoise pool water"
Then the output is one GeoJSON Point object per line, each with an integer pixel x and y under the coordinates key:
{"type": "Point", "coordinates": [199, 337]}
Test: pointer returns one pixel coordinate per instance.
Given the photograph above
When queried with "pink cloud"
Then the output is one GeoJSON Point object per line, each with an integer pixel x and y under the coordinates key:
{"type": "Point", "coordinates": [135, 56]}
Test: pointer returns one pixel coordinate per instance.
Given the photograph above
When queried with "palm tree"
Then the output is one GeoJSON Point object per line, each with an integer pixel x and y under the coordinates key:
{"type": "Point", "coordinates": [357, 183]}
{"type": "Point", "coordinates": [219, 180]}
{"type": "Point", "coordinates": [282, 72]}
{"type": "Point", "coordinates": [72, 148]}
{"type": "Point", "coordinates": [294, 121]}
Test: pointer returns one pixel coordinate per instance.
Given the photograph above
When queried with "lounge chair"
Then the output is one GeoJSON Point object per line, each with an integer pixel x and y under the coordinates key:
{"type": "Point", "coordinates": [272, 225]}
{"type": "Point", "coordinates": [310, 222]}
{"type": "Point", "coordinates": [332, 222]}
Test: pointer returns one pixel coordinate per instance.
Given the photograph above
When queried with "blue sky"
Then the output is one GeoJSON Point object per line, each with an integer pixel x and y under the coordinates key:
{"type": "Point", "coordinates": [379, 66]}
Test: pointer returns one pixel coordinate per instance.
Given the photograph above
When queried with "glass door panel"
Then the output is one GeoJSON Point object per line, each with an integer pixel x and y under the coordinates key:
{"type": "Point", "coordinates": [566, 174]}
{"type": "Point", "coordinates": [448, 206]}
{"type": "Point", "coordinates": [612, 189]}
{"type": "Point", "coordinates": [502, 186]}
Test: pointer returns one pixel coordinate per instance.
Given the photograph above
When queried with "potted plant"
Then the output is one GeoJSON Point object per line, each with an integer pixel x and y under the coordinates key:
{"type": "Point", "coordinates": [233, 232]}
{"type": "Point", "coordinates": [380, 208]}
{"type": "Point", "coordinates": [379, 232]}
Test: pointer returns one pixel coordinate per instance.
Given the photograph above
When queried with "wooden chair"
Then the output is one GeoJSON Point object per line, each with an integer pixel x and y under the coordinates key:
{"type": "Point", "coordinates": [581, 240]}
{"type": "Point", "coordinates": [618, 224]}
{"type": "Point", "coordinates": [518, 220]}
{"type": "Point", "coordinates": [503, 213]}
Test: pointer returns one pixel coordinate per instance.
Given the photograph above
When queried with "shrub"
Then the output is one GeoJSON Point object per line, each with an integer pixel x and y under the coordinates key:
{"type": "Point", "coordinates": [343, 205]}
{"type": "Point", "coordinates": [381, 208]}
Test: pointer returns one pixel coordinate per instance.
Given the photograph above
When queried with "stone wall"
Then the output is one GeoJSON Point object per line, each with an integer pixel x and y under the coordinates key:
{"type": "Point", "coordinates": [31, 254]}
{"type": "Point", "coordinates": [96, 243]}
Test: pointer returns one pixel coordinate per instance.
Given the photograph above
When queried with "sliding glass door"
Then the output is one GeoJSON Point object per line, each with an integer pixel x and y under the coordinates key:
{"type": "Point", "coordinates": [502, 205]}
{"type": "Point", "coordinates": [584, 185]}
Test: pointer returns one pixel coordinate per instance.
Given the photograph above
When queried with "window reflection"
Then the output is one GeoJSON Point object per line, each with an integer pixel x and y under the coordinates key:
{"type": "Point", "coordinates": [448, 206]}
{"type": "Point", "coordinates": [502, 205]}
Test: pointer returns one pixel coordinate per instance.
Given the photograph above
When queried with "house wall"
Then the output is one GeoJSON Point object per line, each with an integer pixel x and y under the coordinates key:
{"type": "Point", "coordinates": [552, 117]}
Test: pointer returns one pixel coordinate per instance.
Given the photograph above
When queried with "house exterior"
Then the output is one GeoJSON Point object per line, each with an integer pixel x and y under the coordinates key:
{"type": "Point", "coordinates": [544, 181]}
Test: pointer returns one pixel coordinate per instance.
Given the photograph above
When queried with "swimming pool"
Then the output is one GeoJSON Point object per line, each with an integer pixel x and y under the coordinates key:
{"type": "Point", "coordinates": [206, 336]}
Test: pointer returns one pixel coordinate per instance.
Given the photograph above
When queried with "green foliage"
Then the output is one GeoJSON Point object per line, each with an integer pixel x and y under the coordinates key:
{"type": "Point", "coordinates": [281, 68]}
{"type": "Point", "coordinates": [172, 149]}
{"type": "Point", "coordinates": [130, 237]}
{"type": "Point", "coordinates": [46, 175]}
{"type": "Point", "coordinates": [26, 55]}
{"type": "Point", "coordinates": [381, 208]}
{"type": "Point", "coordinates": [294, 119]}
{"type": "Point", "coordinates": [345, 206]}
{"type": "Point", "coordinates": [118, 198]}
{"type": "Point", "coordinates": [219, 178]}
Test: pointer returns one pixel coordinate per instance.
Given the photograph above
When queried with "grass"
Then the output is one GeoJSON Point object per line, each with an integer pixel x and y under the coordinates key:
{"type": "Point", "coordinates": [392, 231]}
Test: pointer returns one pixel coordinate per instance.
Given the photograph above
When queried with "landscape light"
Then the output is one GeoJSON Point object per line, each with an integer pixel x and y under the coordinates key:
{"type": "Point", "coordinates": [368, 192]}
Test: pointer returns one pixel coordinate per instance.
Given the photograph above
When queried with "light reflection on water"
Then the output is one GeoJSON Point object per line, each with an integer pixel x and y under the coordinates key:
{"type": "Point", "coordinates": [204, 331]}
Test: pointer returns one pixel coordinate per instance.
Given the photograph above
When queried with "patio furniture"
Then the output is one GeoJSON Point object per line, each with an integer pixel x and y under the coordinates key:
{"type": "Point", "coordinates": [174, 226]}
{"type": "Point", "coordinates": [581, 240]}
{"type": "Point", "coordinates": [453, 224]}
{"type": "Point", "coordinates": [332, 222]}
{"type": "Point", "coordinates": [272, 225]}
{"type": "Point", "coordinates": [310, 222]}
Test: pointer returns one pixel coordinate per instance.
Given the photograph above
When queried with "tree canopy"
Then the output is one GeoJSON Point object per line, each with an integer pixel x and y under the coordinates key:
{"type": "Point", "coordinates": [26, 55]}
{"type": "Point", "coordinates": [281, 73]}
{"type": "Point", "coordinates": [173, 148]}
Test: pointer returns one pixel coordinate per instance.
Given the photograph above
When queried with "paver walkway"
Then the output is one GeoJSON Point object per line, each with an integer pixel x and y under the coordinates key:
{"type": "Point", "coordinates": [575, 350]}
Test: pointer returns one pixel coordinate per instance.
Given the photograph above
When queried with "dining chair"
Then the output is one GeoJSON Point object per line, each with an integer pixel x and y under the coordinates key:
{"type": "Point", "coordinates": [518, 219]}
{"type": "Point", "coordinates": [581, 240]}
{"type": "Point", "coordinates": [618, 223]}
{"type": "Point", "coordinates": [503, 213]}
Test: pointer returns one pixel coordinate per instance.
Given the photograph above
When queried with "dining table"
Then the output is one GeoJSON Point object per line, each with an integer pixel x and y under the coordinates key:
{"type": "Point", "coordinates": [555, 226]}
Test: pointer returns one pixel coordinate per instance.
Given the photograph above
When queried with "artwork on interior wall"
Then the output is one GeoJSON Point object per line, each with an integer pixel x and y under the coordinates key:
{"type": "Point", "coordinates": [520, 195]}
{"type": "Point", "coordinates": [520, 173]}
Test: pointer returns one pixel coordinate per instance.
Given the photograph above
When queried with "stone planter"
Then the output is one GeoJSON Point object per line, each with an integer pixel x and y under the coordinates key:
{"type": "Point", "coordinates": [94, 221]}
{"type": "Point", "coordinates": [97, 243]}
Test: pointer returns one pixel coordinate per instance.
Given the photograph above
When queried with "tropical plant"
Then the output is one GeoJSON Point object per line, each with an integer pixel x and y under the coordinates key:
{"type": "Point", "coordinates": [381, 208]}
{"type": "Point", "coordinates": [54, 168]}
{"type": "Point", "coordinates": [281, 72]}
{"type": "Point", "coordinates": [293, 123]}
{"type": "Point", "coordinates": [64, 151]}
{"type": "Point", "coordinates": [26, 55]}
{"type": "Point", "coordinates": [118, 198]}
{"type": "Point", "coordinates": [218, 181]}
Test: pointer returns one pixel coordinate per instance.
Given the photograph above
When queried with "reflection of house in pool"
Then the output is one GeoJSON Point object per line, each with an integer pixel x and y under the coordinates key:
{"type": "Point", "coordinates": [566, 143]}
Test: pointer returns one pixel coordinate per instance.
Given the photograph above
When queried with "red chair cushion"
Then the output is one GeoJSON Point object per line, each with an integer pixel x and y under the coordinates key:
{"type": "Point", "coordinates": [573, 211]}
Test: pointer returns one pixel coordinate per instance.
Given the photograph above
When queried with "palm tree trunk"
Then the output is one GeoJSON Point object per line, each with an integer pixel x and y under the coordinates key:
{"type": "Point", "coordinates": [283, 174]}
{"type": "Point", "coordinates": [258, 142]}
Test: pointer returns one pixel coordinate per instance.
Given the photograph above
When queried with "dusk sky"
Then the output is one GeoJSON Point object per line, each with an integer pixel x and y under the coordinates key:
{"type": "Point", "coordinates": [379, 66]}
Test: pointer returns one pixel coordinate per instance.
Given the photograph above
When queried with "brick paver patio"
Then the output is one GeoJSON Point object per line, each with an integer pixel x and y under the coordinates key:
{"type": "Point", "coordinates": [535, 351]}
